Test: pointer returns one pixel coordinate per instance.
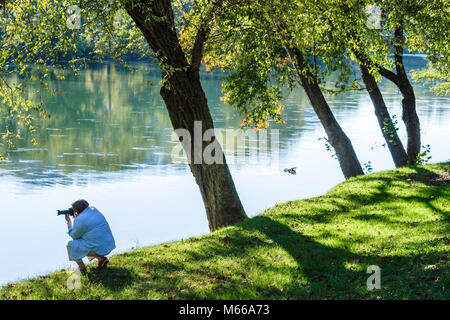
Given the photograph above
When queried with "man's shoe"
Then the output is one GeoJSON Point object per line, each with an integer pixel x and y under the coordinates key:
{"type": "Point", "coordinates": [102, 262]}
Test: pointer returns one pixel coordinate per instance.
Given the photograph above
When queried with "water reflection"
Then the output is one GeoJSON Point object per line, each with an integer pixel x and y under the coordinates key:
{"type": "Point", "coordinates": [108, 119]}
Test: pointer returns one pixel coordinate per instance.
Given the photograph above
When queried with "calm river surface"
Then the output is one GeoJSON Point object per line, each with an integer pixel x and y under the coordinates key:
{"type": "Point", "coordinates": [109, 140]}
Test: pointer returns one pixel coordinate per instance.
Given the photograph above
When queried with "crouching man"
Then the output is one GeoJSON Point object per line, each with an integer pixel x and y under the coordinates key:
{"type": "Point", "coordinates": [92, 237]}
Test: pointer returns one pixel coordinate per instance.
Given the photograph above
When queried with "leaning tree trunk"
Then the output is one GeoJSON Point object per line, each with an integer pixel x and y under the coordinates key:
{"type": "Point", "coordinates": [409, 114]}
{"type": "Point", "coordinates": [186, 103]}
{"type": "Point", "coordinates": [342, 145]}
{"type": "Point", "coordinates": [387, 127]}
{"type": "Point", "coordinates": [186, 106]}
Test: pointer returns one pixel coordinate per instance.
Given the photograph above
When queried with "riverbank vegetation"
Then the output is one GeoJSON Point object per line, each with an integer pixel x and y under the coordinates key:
{"type": "Point", "coordinates": [317, 248]}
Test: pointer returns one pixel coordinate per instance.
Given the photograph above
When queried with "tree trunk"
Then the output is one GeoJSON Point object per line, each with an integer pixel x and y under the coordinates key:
{"type": "Point", "coordinates": [409, 114]}
{"type": "Point", "coordinates": [222, 203]}
{"type": "Point", "coordinates": [388, 130]}
{"type": "Point", "coordinates": [186, 103]}
{"type": "Point", "coordinates": [342, 145]}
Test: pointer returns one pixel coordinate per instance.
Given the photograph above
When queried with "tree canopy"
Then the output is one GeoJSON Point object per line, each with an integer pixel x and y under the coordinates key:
{"type": "Point", "coordinates": [39, 38]}
{"type": "Point", "coordinates": [245, 40]}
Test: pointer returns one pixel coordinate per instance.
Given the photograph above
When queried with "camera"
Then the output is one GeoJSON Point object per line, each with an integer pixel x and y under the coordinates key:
{"type": "Point", "coordinates": [68, 211]}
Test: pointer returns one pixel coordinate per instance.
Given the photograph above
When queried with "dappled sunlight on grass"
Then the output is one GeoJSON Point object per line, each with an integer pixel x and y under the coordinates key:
{"type": "Point", "coordinates": [315, 248]}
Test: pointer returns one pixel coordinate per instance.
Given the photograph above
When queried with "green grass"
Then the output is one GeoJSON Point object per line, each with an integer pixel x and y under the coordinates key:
{"type": "Point", "coordinates": [317, 248]}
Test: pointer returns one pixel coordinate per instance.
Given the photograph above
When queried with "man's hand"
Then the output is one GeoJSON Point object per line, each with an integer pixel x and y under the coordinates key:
{"type": "Point", "coordinates": [67, 218]}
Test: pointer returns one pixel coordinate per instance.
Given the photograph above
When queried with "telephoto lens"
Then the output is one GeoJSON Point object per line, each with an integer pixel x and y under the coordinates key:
{"type": "Point", "coordinates": [68, 211]}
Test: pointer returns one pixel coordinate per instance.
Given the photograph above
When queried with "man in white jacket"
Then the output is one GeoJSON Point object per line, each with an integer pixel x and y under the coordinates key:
{"type": "Point", "coordinates": [91, 234]}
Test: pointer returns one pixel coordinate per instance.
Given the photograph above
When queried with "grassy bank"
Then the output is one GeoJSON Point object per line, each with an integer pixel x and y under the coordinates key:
{"type": "Point", "coordinates": [316, 248]}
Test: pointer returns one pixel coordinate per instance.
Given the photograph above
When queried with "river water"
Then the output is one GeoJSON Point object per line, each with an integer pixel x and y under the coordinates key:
{"type": "Point", "coordinates": [109, 140]}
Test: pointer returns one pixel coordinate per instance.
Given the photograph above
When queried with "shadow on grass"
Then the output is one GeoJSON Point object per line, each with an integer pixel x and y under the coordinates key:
{"type": "Point", "coordinates": [113, 278]}
{"type": "Point", "coordinates": [322, 265]}
{"type": "Point", "coordinates": [320, 271]}
{"type": "Point", "coordinates": [328, 270]}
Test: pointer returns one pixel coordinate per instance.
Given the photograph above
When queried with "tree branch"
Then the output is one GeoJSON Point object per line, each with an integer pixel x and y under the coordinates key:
{"type": "Point", "coordinates": [197, 51]}
{"type": "Point", "coordinates": [365, 60]}
{"type": "Point", "coordinates": [201, 37]}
